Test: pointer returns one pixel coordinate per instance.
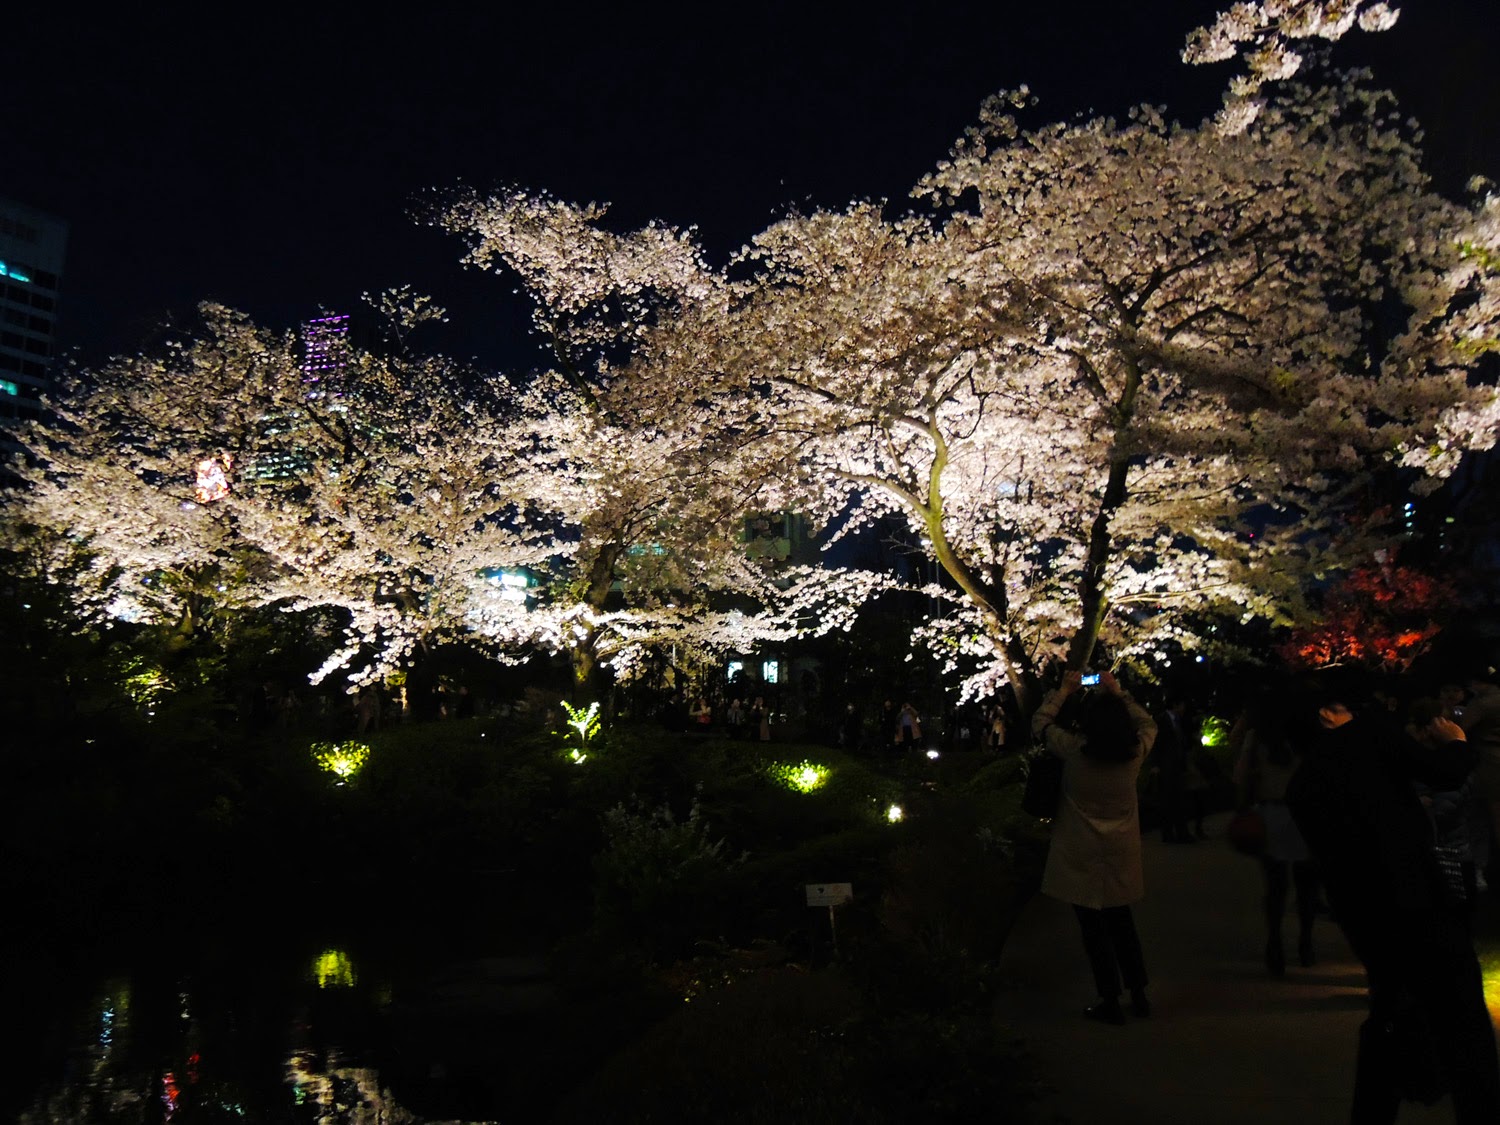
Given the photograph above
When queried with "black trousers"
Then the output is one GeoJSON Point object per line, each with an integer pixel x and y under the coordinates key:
{"type": "Point", "coordinates": [1421, 960]}
{"type": "Point", "coordinates": [1280, 876]}
{"type": "Point", "coordinates": [1174, 806]}
{"type": "Point", "coordinates": [1113, 948]}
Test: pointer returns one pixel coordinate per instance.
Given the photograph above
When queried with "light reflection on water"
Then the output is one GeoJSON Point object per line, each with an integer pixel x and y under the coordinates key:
{"type": "Point", "coordinates": [187, 1062]}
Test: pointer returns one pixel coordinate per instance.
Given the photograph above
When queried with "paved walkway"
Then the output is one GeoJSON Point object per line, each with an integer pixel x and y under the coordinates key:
{"type": "Point", "coordinates": [1225, 1045]}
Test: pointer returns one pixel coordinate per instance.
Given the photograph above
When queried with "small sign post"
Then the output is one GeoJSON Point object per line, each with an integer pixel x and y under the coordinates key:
{"type": "Point", "coordinates": [830, 895]}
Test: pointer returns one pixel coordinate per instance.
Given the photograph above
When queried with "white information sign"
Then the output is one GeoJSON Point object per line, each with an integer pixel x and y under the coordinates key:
{"type": "Point", "coordinates": [829, 894]}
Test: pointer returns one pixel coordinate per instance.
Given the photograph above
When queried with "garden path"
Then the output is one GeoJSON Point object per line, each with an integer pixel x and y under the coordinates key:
{"type": "Point", "coordinates": [1225, 1045]}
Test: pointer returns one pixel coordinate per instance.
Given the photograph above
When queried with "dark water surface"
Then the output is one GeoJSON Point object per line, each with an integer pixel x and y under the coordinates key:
{"type": "Point", "coordinates": [272, 1021]}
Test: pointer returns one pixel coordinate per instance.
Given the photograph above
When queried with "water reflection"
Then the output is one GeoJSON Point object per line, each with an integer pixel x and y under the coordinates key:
{"type": "Point", "coordinates": [261, 1044]}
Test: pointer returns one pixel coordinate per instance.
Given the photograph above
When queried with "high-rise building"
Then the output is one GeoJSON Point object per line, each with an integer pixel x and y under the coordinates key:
{"type": "Point", "coordinates": [325, 352]}
{"type": "Point", "coordinates": [32, 246]}
{"type": "Point", "coordinates": [325, 355]}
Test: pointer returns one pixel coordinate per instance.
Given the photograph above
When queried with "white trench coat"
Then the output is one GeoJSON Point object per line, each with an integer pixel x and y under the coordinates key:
{"type": "Point", "coordinates": [1095, 857]}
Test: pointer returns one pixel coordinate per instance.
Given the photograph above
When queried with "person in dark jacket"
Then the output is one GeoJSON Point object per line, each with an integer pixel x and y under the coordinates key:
{"type": "Point", "coordinates": [1170, 762]}
{"type": "Point", "coordinates": [1354, 802]}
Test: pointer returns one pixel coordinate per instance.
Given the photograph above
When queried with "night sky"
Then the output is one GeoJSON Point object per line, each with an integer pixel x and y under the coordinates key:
{"type": "Point", "coordinates": [272, 161]}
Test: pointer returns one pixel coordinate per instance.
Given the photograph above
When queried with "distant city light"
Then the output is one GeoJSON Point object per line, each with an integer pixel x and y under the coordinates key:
{"type": "Point", "coordinates": [511, 585]}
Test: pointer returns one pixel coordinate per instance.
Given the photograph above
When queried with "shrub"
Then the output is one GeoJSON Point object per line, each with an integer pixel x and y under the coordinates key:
{"type": "Point", "coordinates": [657, 876]}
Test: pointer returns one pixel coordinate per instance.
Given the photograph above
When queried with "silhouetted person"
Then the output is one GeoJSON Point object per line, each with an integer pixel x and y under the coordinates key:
{"type": "Point", "coordinates": [1094, 861]}
{"type": "Point", "coordinates": [1354, 801]}
{"type": "Point", "coordinates": [1169, 761]}
{"type": "Point", "coordinates": [1264, 767]}
{"type": "Point", "coordinates": [851, 730]}
{"type": "Point", "coordinates": [908, 726]}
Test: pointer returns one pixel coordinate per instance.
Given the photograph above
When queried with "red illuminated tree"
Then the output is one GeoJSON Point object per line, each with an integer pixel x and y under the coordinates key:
{"type": "Point", "coordinates": [1380, 617]}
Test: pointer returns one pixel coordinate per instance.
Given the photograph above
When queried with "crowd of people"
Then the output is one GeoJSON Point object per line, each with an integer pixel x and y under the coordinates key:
{"type": "Point", "coordinates": [1388, 807]}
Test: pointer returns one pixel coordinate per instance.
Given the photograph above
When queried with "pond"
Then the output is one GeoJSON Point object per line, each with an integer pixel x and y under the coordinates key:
{"type": "Point", "coordinates": [252, 1024]}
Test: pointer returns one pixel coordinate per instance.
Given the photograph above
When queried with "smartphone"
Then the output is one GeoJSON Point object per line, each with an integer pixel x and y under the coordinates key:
{"type": "Point", "coordinates": [1090, 680]}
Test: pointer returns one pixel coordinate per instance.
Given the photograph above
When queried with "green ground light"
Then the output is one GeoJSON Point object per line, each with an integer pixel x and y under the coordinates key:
{"type": "Point", "coordinates": [804, 776]}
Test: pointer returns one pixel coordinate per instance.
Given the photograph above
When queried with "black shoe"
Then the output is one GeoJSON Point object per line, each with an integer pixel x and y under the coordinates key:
{"type": "Point", "coordinates": [1306, 957]}
{"type": "Point", "coordinates": [1139, 1005]}
{"type": "Point", "coordinates": [1106, 1011]}
{"type": "Point", "coordinates": [1275, 959]}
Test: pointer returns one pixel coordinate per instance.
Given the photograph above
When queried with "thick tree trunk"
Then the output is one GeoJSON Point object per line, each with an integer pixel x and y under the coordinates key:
{"type": "Point", "coordinates": [584, 656]}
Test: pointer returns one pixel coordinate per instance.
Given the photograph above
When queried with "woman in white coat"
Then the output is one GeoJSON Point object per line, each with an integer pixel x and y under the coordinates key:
{"type": "Point", "coordinates": [1094, 862]}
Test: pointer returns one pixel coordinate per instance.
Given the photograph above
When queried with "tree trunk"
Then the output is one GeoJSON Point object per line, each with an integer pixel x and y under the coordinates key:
{"type": "Point", "coordinates": [584, 656]}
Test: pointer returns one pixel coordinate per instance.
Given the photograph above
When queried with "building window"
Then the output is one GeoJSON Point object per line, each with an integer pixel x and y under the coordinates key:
{"type": "Point", "coordinates": [770, 671]}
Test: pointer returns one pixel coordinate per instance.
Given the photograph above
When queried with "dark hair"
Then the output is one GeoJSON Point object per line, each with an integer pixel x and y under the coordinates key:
{"type": "Point", "coordinates": [1107, 728]}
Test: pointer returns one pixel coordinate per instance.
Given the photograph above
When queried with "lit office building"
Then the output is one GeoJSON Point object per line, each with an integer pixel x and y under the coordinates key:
{"type": "Point", "coordinates": [325, 355]}
{"type": "Point", "coordinates": [32, 245]}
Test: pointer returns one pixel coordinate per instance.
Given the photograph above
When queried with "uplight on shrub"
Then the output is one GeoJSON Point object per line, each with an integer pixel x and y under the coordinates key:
{"type": "Point", "coordinates": [1214, 731]}
{"type": "Point", "coordinates": [803, 777]}
{"type": "Point", "coordinates": [343, 760]}
{"type": "Point", "coordinates": [585, 723]}
{"type": "Point", "coordinates": [334, 969]}
{"type": "Point", "coordinates": [894, 814]}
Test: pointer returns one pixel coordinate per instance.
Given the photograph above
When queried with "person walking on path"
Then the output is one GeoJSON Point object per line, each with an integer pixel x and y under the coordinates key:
{"type": "Point", "coordinates": [1170, 763]}
{"type": "Point", "coordinates": [1354, 801]}
{"type": "Point", "coordinates": [908, 726]}
{"type": "Point", "coordinates": [1481, 723]}
{"type": "Point", "coordinates": [1262, 769]}
{"type": "Point", "coordinates": [1094, 862]}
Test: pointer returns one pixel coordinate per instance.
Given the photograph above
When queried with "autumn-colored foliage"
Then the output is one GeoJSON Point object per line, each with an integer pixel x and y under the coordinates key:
{"type": "Point", "coordinates": [1380, 617]}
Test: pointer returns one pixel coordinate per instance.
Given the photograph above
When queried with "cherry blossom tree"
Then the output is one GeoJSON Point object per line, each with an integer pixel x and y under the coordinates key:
{"type": "Point", "coordinates": [652, 512]}
{"type": "Point", "coordinates": [1115, 373]}
{"type": "Point", "coordinates": [372, 485]}
{"type": "Point", "coordinates": [1263, 33]}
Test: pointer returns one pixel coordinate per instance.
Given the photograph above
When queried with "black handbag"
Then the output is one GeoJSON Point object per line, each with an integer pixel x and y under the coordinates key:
{"type": "Point", "coordinates": [1043, 792]}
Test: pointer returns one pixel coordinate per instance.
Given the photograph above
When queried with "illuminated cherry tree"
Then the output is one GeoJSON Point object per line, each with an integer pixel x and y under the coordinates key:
{"type": "Point", "coordinates": [652, 509]}
{"type": "Point", "coordinates": [1268, 35]}
{"type": "Point", "coordinates": [1115, 373]}
{"type": "Point", "coordinates": [426, 503]}
{"type": "Point", "coordinates": [370, 486]}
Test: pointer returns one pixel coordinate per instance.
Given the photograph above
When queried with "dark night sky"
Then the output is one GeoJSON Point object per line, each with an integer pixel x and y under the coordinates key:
{"type": "Point", "coordinates": [271, 162]}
